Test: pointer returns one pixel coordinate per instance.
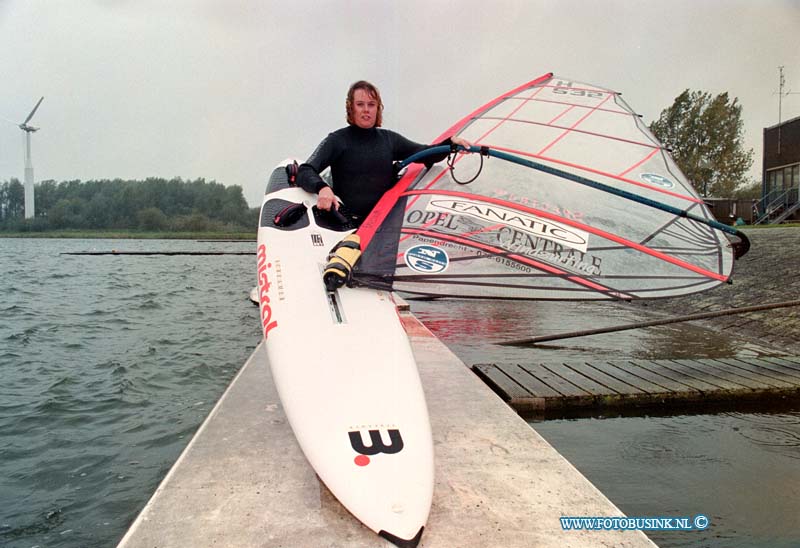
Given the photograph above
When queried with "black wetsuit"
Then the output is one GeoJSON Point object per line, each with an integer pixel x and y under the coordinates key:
{"type": "Point", "coordinates": [362, 165]}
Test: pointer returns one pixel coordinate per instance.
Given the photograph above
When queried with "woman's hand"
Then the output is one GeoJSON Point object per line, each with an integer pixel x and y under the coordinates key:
{"type": "Point", "coordinates": [461, 142]}
{"type": "Point", "coordinates": [326, 199]}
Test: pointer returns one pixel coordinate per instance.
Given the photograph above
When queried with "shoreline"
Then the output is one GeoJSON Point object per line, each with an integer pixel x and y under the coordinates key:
{"type": "Point", "coordinates": [131, 235]}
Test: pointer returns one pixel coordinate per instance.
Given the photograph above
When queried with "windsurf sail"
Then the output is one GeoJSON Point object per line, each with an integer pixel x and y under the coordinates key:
{"type": "Point", "coordinates": [576, 200]}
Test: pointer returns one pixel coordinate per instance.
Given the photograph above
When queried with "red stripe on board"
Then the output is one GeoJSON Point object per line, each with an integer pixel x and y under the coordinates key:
{"type": "Point", "coordinates": [522, 259]}
{"type": "Point", "coordinates": [576, 124]}
{"type": "Point", "coordinates": [603, 173]}
{"type": "Point", "coordinates": [596, 231]}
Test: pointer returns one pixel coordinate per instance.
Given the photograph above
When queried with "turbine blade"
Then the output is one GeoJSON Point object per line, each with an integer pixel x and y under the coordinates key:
{"type": "Point", "coordinates": [33, 111]}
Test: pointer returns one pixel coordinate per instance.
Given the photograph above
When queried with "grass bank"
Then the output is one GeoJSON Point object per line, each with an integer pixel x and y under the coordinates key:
{"type": "Point", "coordinates": [163, 235]}
{"type": "Point", "coordinates": [784, 225]}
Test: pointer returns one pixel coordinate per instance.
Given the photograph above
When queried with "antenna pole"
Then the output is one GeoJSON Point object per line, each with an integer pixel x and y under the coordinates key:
{"type": "Point", "coordinates": [781, 83]}
{"type": "Point", "coordinates": [781, 95]}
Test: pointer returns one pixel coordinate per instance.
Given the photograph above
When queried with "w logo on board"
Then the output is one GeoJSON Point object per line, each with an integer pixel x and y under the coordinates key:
{"type": "Point", "coordinates": [376, 445]}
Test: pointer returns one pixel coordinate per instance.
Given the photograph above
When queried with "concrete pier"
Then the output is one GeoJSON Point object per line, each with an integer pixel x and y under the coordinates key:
{"type": "Point", "coordinates": [243, 481]}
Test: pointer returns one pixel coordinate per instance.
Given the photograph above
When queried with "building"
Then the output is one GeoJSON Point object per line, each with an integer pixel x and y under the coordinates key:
{"type": "Point", "coordinates": [781, 172]}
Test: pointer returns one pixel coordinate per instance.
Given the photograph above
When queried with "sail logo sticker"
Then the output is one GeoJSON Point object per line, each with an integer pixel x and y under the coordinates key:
{"type": "Point", "coordinates": [656, 179]}
{"type": "Point", "coordinates": [427, 259]}
{"type": "Point", "coordinates": [376, 445]}
{"type": "Point", "coordinates": [490, 213]}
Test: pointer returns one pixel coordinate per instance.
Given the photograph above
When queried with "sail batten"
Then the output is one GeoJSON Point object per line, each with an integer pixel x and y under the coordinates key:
{"type": "Point", "coordinates": [595, 134]}
{"type": "Point", "coordinates": [588, 169]}
{"type": "Point", "coordinates": [576, 200]}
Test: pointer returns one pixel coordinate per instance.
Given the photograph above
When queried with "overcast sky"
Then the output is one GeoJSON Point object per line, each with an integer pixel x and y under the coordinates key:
{"type": "Point", "coordinates": [225, 89]}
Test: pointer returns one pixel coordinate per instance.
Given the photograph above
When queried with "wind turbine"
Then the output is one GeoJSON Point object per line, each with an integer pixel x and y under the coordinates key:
{"type": "Point", "coordinates": [29, 208]}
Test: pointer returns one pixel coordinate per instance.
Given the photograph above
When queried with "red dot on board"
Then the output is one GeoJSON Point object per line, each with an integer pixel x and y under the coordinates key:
{"type": "Point", "coordinates": [361, 460]}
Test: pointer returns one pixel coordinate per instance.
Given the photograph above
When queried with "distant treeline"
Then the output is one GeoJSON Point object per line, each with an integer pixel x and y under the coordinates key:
{"type": "Point", "coordinates": [152, 204]}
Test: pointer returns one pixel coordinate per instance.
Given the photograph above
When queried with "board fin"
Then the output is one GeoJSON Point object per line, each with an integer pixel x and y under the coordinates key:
{"type": "Point", "coordinates": [403, 543]}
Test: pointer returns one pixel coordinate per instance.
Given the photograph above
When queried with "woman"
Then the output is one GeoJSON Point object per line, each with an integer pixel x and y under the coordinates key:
{"type": "Point", "coordinates": [361, 157]}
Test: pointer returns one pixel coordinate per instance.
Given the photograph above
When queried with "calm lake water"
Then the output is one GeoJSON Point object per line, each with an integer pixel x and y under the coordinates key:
{"type": "Point", "coordinates": [110, 363]}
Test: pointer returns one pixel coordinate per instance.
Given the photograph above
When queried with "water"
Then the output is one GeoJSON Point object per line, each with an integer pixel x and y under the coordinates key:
{"type": "Point", "coordinates": [741, 469]}
{"type": "Point", "coordinates": [110, 363]}
{"type": "Point", "coordinates": [108, 366]}
{"type": "Point", "coordinates": [470, 327]}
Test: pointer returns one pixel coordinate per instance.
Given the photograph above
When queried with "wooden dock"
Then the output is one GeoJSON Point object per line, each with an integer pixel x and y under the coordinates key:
{"type": "Point", "coordinates": [624, 384]}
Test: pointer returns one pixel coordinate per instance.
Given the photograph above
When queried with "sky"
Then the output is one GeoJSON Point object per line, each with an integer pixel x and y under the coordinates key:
{"type": "Point", "coordinates": [226, 89]}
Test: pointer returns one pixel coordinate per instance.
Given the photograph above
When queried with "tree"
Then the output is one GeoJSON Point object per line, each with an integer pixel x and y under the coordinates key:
{"type": "Point", "coordinates": [705, 136]}
{"type": "Point", "coordinates": [68, 213]}
{"type": "Point", "coordinates": [45, 196]}
{"type": "Point", "coordinates": [152, 204]}
{"type": "Point", "coordinates": [13, 200]}
{"type": "Point", "coordinates": [749, 191]}
{"type": "Point", "coordinates": [235, 206]}
{"type": "Point", "coordinates": [99, 211]}
{"type": "Point", "coordinates": [152, 218]}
